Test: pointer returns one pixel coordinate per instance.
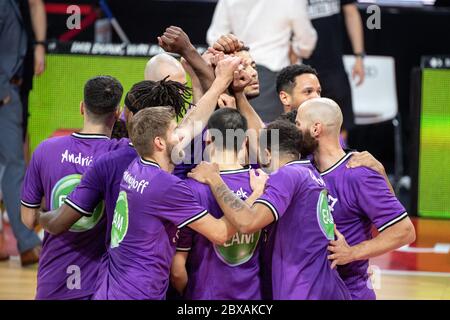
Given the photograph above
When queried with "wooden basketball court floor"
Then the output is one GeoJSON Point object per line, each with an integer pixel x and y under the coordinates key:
{"type": "Point", "coordinates": [420, 271]}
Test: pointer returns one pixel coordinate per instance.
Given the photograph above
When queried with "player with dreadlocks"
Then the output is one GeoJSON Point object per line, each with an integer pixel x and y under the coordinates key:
{"type": "Point", "coordinates": [154, 93]}
{"type": "Point", "coordinates": [102, 180]}
{"type": "Point", "coordinates": [164, 93]}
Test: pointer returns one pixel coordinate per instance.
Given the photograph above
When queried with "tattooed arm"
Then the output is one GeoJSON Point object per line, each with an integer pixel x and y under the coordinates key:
{"type": "Point", "coordinates": [246, 219]}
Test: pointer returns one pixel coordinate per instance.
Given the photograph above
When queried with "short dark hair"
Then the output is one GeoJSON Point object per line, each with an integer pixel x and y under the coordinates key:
{"type": "Point", "coordinates": [290, 139]}
{"type": "Point", "coordinates": [119, 130]}
{"type": "Point", "coordinates": [290, 116]}
{"type": "Point", "coordinates": [165, 92]}
{"type": "Point", "coordinates": [286, 77]}
{"type": "Point", "coordinates": [102, 95]}
{"type": "Point", "coordinates": [227, 119]}
{"type": "Point", "coordinates": [148, 124]}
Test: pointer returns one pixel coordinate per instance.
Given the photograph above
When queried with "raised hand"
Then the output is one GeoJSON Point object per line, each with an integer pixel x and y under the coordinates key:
{"type": "Point", "coordinates": [218, 57]}
{"type": "Point", "coordinates": [175, 40]}
{"type": "Point", "coordinates": [204, 172]}
{"type": "Point", "coordinates": [365, 159]}
{"type": "Point", "coordinates": [241, 79]}
{"type": "Point", "coordinates": [226, 67]}
{"type": "Point", "coordinates": [228, 43]}
{"type": "Point", "coordinates": [226, 101]}
{"type": "Point", "coordinates": [208, 57]}
{"type": "Point", "coordinates": [258, 182]}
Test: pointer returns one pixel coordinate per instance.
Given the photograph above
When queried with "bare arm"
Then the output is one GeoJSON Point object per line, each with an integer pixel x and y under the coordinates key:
{"type": "Point", "coordinates": [179, 276]}
{"type": "Point", "coordinates": [39, 22]}
{"type": "Point", "coordinates": [255, 124]}
{"type": "Point", "coordinates": [353, 24]}
{"type": "Point", "coordinates": [218, 231]}
{"type": "Point", "coordinates": [195, 121]}
{"type": "Point", "coordinates": [38, 19]}
{"type": "Point", "coordinates": [175, 40]}
{"type": "Point", "coordinates": [29, 216]}
{"type": "Point", "coordinates": [178, 273]}
{"type": "Point", "coordinates": [204, 73]}
{"type": "Point", "coordinates": [240, 81]}
{"type": "Point", "coordinates": [60, 220]}
{"type": "Point", "coordinates": [197, 89]}
{"type": "Point", "coordinates": [246, 219]}
{"type": "Point", "coordinates": [396, 236]}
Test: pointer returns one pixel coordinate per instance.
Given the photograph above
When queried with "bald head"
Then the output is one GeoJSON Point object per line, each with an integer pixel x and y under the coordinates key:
{"type": "Point", "coordinates": [163, 65]}
{"type": "Point", "coordinates": [321, 110]}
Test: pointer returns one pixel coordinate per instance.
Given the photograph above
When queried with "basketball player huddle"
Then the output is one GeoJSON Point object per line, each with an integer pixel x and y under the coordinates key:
{"type": "Point", "coordinates": [201, 200]}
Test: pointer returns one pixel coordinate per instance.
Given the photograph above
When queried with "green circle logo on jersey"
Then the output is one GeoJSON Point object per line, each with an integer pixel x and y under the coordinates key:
{"type": "Point", "coordinates": [324, 216]}
{"type": "Point", "coordinates": [120, 222]}
{"type": "Point", "coordinates": [60, 192]}
{"type": "Point", "coordinates": [239, 249]}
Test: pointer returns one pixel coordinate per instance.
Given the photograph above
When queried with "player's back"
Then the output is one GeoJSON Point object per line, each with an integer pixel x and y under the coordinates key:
{"type": "Point", "coordinates": [65, 269]}
{"type": "Point", "coordinates": [228, 272]}
{"type": "Point", "coordinates": [300, 268]}
{"type": "Point", "coordinates": [359, 198]}
{"type": "Point", "coordinates": [151, 205]}
{"type": "Point", "coordinates": [102, 182]}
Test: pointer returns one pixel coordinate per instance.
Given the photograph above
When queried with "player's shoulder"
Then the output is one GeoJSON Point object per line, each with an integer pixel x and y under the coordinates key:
{"type": "Point", "coordinates": [361, 175]}
{"type": "Point", "coordinates": [52, 144]}
{"type": "Point", "coordinates": [192, 183]}
{"type": "Point", "coordinates": [341, 170]}
{"type": "Point", "coordinates": [236, 174]}
{"type": "Point", "coordinates": [294, 173]}
{"type": "Point", "coordinates": [119, 144]}
{"type": "Point", "coordinates": [127, 152]}
{"type": "Point", "coordinates": [196, 186]}
{"type": "Point", "coordinates": [116, 159]}
{"type": "Point", "coordinates": [297, 168]}
{"type": "Point", "coordinates": [167, 184]}
{"type": "Point", "coordinates": [168, 180]}
{"type": "Point", "coordinates": [55, 141]}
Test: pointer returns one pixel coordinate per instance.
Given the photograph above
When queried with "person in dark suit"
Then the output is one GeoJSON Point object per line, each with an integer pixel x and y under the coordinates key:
{"type": "Point", "coordinates": [13, 47]}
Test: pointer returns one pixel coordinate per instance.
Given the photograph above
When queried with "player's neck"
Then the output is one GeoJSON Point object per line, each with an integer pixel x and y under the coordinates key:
{"type": "Point", "coordinates": [328, 153]}
{"type": "Point", "coordinates": [162, 160]}
{"type": "Point", "coordinates": [286, 159]}
{"type": "Point", "coordinates": [96, 129]}
{"type": "Point", "coordinates": [227, 160]}
{"type": "Point", "coordinates": [92, 127]}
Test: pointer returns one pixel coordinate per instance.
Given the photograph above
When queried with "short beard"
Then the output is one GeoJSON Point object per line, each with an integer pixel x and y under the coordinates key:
{"type": "Point", "coordinates": [175, 154]}
{"type": "Point", "coordinates": [309, 145]}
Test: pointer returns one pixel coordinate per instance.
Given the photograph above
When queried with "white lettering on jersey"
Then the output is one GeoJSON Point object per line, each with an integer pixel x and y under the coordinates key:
{"type": "Point", "coordinates": [133, 183]}
{"type": "Point", "coordinates": [76, 159]}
